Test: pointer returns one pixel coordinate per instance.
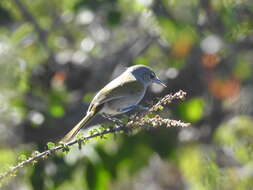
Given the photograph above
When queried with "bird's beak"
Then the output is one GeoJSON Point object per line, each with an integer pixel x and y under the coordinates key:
{"type": "Point", "coordinates": [158, 81]}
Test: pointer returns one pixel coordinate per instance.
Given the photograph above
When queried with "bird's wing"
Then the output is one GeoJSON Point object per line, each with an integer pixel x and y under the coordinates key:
{"type": "Point", "coordinates": [114, 90]}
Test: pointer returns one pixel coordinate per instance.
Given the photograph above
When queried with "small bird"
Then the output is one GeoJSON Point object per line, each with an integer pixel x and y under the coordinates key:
{"type": "Point", "coordinates": [119, 96]}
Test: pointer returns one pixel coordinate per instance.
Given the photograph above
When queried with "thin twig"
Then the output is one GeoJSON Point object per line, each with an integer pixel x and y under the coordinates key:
{"type": "Point", "coordinates": [138, 120]}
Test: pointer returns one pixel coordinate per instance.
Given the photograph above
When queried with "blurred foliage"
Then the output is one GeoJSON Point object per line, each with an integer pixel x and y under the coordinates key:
{"type": "Point", "coordinates": [56, 54]}
{"type": "Point", "coordinates": [192, 110]}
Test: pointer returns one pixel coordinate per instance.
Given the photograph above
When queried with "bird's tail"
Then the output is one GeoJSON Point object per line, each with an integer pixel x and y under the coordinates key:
{"type": "Point", "coordinates": [77, 127]}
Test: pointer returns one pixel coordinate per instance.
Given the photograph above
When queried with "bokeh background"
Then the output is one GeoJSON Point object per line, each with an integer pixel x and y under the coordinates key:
{"type": "Point", "coordinates": [55, 55]}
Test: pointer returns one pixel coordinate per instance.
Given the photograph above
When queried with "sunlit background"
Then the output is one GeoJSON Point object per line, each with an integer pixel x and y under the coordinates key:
{"type": "Point", "coordinates": [55, 55]}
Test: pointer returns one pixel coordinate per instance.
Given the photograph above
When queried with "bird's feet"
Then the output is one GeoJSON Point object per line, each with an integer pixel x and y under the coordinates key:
{"type": "Point", "coordinates": [134, 107]}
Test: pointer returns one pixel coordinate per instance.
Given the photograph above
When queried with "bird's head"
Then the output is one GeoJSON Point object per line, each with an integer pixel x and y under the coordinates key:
{"type": "Point", "coordinates": [145, 75]}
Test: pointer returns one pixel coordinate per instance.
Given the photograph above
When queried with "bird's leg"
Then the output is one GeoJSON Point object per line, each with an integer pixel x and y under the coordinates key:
{"type": "Point", "coordinates": [105, 115]}
{"type": "Point", "coordinates": [133, 107]}
{"type": "Point", "coordinates": [113, 119]}
{"type": "Point", "coordinates": [143, 108]}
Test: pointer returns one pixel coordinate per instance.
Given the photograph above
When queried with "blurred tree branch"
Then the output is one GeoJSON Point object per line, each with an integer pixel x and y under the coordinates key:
{"type": "Point", "coordinates": [42, 34]}
{"type": "Point", "coordinates": [30, 18]}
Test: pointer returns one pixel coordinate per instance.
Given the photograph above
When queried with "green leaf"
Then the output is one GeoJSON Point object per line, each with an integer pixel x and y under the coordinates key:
{"type": "Point", "coordinates": [243, 69]}
{"type": "Point", "coordinates": [114, 17]}
{"type": "Point", "coordinates": [21, 32]}
{"type": "Point", "coordinates": [192, 110]}
{"type": "Point", "coordinates": [7, 158]}
{"type": "Point", "coordinates": [102, 179]}
{"type": "Point", "coordinates": [88, 97]}
{"type": "Point", "coordinates": [22, 157]}
{"type": "Point", "coordinates": [141, 61]}
{"type": "Point", "coordinates": [50, 145]}
{"type": "Point", "coordinates": [237, 134]}
{"type": "Point", "coordinates": [160, 107]}
{"type": "Point", "coordinates": [57, 110]}
{"type": "Point", "coordinates": [150, 115]}
{"type": "Point", "coordinates": [79, 136]}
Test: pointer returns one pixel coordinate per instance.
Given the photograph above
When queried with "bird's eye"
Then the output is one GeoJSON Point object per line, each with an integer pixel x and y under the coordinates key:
{"type": "Point", "coordinates": [152, 75]}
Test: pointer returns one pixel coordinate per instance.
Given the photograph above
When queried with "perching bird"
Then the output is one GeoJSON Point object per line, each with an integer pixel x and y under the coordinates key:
{"type": "Point", "coordinates": [119, 96]}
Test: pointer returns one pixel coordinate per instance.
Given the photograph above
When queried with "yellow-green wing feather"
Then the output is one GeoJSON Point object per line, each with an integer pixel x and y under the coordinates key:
{"type": "Point", "coordinates": [116, 91]}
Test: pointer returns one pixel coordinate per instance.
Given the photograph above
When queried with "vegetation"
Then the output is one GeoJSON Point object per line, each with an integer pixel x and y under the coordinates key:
{"type": "Point", "coordinates": [55, 55]}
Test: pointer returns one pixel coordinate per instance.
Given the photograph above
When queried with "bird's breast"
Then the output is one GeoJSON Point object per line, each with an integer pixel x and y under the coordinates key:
{"type": "Point", "coordinates": [113, 107]}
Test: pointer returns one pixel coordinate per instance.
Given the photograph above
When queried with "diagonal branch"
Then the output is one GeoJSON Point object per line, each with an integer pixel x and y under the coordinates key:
{"type": "Point", "coordinates": [140, 120]}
